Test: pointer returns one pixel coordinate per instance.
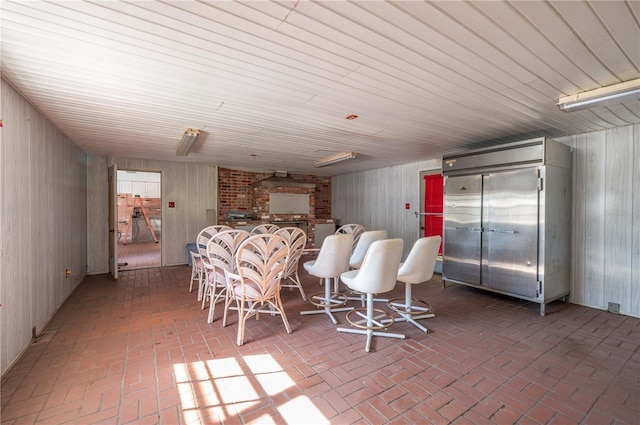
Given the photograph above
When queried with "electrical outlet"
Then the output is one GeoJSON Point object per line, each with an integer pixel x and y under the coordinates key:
{"type": "Point", "coordinates": [614, 308]}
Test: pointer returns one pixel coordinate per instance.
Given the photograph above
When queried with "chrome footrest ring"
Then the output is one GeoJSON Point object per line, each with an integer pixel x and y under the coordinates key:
{"type": "Point", "coordinates": [379, 317]}
{"type": "Point", "coordinates": [336, 299]}
{"type": "Point", "coordinates": [418, 307]}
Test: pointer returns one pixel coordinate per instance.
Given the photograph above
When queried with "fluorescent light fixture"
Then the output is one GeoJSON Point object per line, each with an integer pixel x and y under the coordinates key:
{"type": "Point", "coordinates": [188, 139]}
{"type": "Point", "coordinates": [601, 96]}
{"type": "Point", "coordinates": [334, 159]}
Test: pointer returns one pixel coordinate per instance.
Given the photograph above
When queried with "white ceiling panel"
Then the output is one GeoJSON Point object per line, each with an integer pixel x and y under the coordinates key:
{"type": "Point", "coordinates": [270, 83]}
{"type": "Point", "coordinates": [596, 41]}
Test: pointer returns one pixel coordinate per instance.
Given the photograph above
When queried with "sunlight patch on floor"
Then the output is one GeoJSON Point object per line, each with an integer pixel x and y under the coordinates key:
{"type": "Point", "coordinates": [269, 373]}
{"type": "Point", "coordinates": [220, 388]}
{"type": "Point", "coordinates": [301, 410]}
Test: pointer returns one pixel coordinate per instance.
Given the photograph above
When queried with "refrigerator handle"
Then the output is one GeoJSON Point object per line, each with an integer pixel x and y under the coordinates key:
{"type": "Point", "coordinates": [503, 231]}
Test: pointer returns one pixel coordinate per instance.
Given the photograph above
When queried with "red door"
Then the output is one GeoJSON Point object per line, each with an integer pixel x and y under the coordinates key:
{"type": "Point", "coordinates": [433, 202]}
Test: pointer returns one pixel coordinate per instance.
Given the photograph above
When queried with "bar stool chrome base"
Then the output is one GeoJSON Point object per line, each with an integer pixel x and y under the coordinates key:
{"type": "Point", "coordinates": [353, 295]}
{"type": "Point", "coordinates": [411, 310]}
{"type": "Point", "coordinates": [361, 296]}
{"type": "Point", "coordinates": [328, 302]}
{"type": "Point", "coordinates": [370, 324]}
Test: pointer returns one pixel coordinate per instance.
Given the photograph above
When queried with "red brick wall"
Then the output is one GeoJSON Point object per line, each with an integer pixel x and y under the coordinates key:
{"type": "Point", "coordinates": [235, 193]}
{"type": "Point", "coordinates": [323, 197]}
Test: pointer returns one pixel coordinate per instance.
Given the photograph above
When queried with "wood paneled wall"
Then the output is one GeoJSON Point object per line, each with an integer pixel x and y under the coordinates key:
{"type": "Point", "coordinates": [606, 213]}
{"type": "Point", "coordinates": [376, 199]}
{"type": "Point", "coordinates": [606, 218]}
{"type": "Point", "coordinates": [97, 215]}
{"type": "Point", "coordinates": [43, 197]}
{"type": "Point", "coordinates": [193, 188]}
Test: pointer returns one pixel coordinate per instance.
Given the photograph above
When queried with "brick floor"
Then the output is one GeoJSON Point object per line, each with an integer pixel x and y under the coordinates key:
{"type": "Point", "coordinates": [139, 255]}
{"type": "Point", "coordinates": [139, 350]}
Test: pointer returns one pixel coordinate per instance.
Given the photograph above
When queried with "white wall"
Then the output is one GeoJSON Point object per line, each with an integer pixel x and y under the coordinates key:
{"type": "Point", "coordinates": [193, 188]}
{"type": "Point", "coordinates": [606, 213]}
{"type": "Point", "coordinates": [97, 215]}
{"type": "Point", "coordinates": [376, 199]}
{"type": "Point", "coordinates": [43, 202]}
{"type": "Point", "coordinates": [606, 218]}
{"type": "Point", "coordinates": [141, 183]}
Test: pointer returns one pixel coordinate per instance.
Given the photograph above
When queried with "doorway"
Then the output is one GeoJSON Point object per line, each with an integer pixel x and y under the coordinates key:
{"type": "Point", "coordinates": [139, 219]}
{"type": "Point", "coordinates": [431, 206]}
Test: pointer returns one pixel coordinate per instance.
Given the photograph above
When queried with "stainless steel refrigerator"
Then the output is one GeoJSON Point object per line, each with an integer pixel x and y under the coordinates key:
{"type": "Point", "coordinates": [507, 214]}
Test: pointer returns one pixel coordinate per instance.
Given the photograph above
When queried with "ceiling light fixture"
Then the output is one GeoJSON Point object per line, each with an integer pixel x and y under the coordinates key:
{"type": "Point", "coordinates": [188, 139]}
{"type": "Point", "coordinates": [601, 96]}
{"type": "Point", "coordinates": [334, 159]}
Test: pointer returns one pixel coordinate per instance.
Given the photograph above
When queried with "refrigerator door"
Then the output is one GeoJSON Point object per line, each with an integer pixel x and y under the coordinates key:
{"type": "Point", "coordinates": [510, 233]}
{"type": "Point", "coordinates": [462, 228]}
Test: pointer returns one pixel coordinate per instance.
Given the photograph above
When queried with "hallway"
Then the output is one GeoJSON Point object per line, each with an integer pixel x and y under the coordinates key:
{"type": "Point", "coordinates": [139, 255]}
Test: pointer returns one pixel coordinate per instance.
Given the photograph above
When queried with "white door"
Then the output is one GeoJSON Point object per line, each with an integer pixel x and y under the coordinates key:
{"type": "Point", "coordinates": [113, 221]}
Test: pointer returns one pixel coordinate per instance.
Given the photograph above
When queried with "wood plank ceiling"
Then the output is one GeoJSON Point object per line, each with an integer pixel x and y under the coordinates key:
{"type": "Point", "coordinates": [270, 83]}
